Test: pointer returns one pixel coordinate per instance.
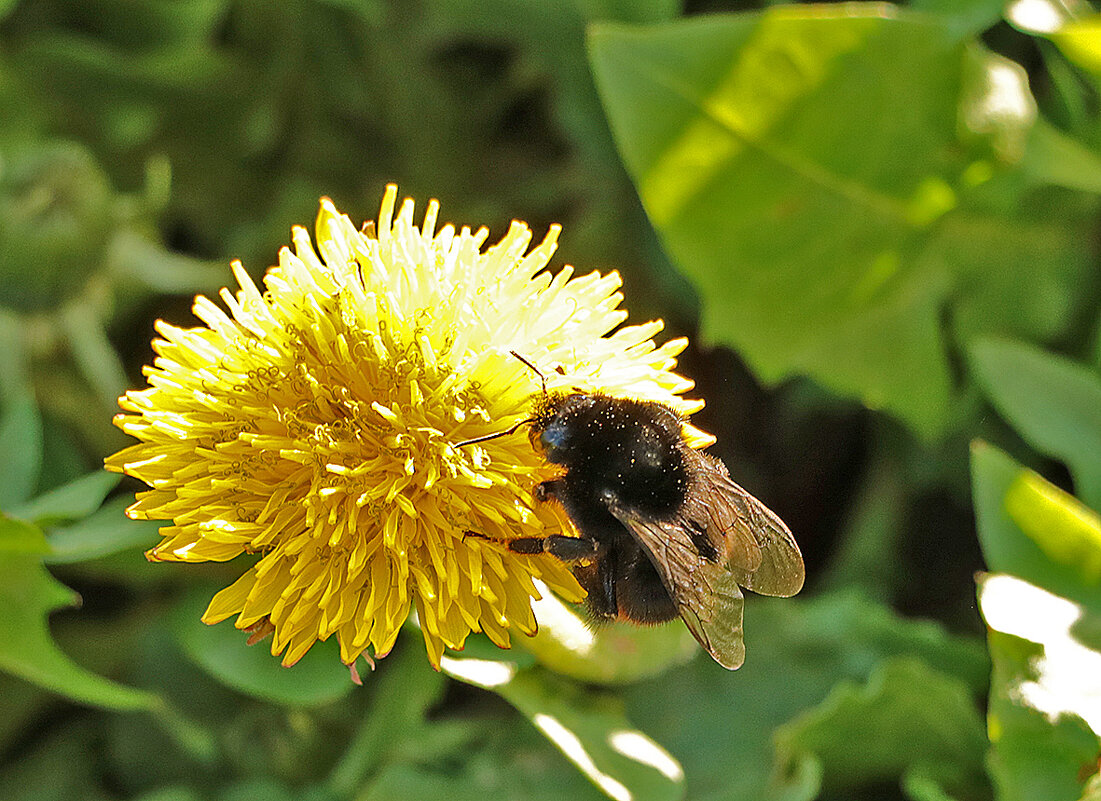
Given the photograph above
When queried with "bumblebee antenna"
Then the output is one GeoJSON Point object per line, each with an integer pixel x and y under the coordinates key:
{"type": "Point", "coordinates": [494, 435]}
{"type": "Point", "coordinates": [533, 368]}
{"type": "Point", "coordinates": [512, 430]}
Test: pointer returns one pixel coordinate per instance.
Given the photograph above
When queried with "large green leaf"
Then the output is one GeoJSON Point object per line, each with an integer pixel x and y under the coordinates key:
{"type": "Point", "coordinates": [28, 593]}
{"type": "Point", "coordinates": [173, 793]}
{"type": "Point", "coordinates": [613, 653]}
{"type": "Point", "coordinates": [221, 650]}
{"type": "Point", "coordinates": [1055, 158]}
{"type": "Point", "coordinates": [1031, 529]}
{"type": "Point", "coordinates": [1045, 700]}
{"type": "Point", "coordinates": [14, 380]}
{"type": "Point", "coordinates": [1053, 402]}
{"type": "Point", "coordinates": [1067, 531]}
{"type": "Point", "coordinates": [907, 720]}
{"type": "Point", "coordinates": [588, 727]}
{"type": "Point", "coordinates": [93, 354]}
{"type": "Point", "coordinates": [105, 532]}
{"type": "Point", "coordinates": [20, 450]}
{"type": "Point", "coordinates": [20, 420]}
{"type": "Point", "coordinates": [135, 258]}
{"type": "Point", "coordinates": [970, 16]}
{"type": "Point", "coordinates": [269, 789]}
{"type": "Point", "coordinates": [721, 724]}
{"type": "Point", "coordinates": [1081, 41]}
{"type": "Point", "coordinates": [79, 498]}
{"type": "Point", "coordinates": [1043, 612]}
{"type": "Point", "coordinates": [839, 185]}
{"type": "Point", "coordinates": [497, 757]}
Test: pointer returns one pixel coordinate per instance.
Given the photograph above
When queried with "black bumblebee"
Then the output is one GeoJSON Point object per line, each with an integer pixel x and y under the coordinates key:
{"type": "Point", "coordinates": [663, 529]}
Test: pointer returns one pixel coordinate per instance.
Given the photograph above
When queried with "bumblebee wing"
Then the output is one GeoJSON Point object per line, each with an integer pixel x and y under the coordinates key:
{"type": "Point", "coordinates": [759, 549]}
{"type": "Point", "coordinates": [705, 592]}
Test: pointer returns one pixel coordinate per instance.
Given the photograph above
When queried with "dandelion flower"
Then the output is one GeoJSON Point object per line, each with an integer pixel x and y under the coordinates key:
{"type": "Point", "coordinates": [316, 426]}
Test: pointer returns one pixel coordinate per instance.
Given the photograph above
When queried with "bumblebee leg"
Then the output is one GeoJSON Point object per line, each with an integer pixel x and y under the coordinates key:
{"type": "Point", "coordinates": [568, 549]}
{"type": "Point", "coordinates": [547, 489]}
{"type": "Point", "coordinates": [598, 578]}
{"type": "Point", "coordinates": [527, 545]}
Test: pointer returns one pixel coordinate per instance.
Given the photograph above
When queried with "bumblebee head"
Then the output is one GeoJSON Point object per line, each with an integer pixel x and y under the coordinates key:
{"type": "Point", "coordinates": [556, 425]}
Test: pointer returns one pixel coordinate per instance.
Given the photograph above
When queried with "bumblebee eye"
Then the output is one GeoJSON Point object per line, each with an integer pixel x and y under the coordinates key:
{"type": "Point", "coordinates": [555, 437]}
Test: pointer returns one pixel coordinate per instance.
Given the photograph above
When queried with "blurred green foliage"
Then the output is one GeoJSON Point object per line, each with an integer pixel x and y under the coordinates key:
{"type": "Point", "coordinates": [924, 223]}
{"type": "Point", "coordinates": [890, 213]}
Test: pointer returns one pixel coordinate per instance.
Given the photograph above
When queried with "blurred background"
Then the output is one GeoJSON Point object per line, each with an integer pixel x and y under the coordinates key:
{"type": "Point", "coordinates": [878, 225]}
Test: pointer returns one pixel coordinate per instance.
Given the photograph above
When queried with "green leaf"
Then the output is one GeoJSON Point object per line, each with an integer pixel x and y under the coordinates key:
{"type": "Point", "coordinates": [74, 500]}
{"type": "Point", "coordinates": [28, 593]}
{"type": "Point", "coordinates": [1044, 712]}
{"type": "Point", "coordinates": [50, 250]}
{"type": "Point", "coordinates": [405, 781]}
{"type": "Point", "coordinates": [491, 754]}
{"type": "Point", "coordinates": [589, 728]}
{"type": "Point", "coordinates": [516, 769]}
{"type": "Point", "coordinates": [133, 257]}
{"type": "Point", "coordinates": [1031, 529]}
{"type": "Point", "coordinates": [721, 724]}
{"type": "Point", "coordinates": [64, 451]}
{"type": "Point", "coordinates": [594, 734]}
{"type": "Point", "coordinates": [105, 532]}
{"type": "Point", "coordinates": [614, 653]}
{"type": "Point", "coordinates": [261, 789]}
{"type": "Point", "coordinates": [1044, 621]}
{"type": "Point", "coordinates": [906, 717]}
{"type": "Point", "coordinates": [403, 691]}
{"type": "Point", "coordinates": [18, 537]}
{"type": "Point", "coordinates": [14, 381]}
{"type": "Point", "coordinates": [1053, 402]}
{"type": "Point", "coordinates": [318, 678]}
{"type": "Point", "coordinates": [1097, 344]}
{"type": "Point", "coordinates": [175, 793]}
{"type": "Point", "coordinates": [1080, 41]}
{"type": "Point", "coordinates": [919, 785]}
{"type": "Point", "coordinates": [1069, 104]}
{"type": "Point", "coordinates": [1052, 157]}
{"type": "Point", "coordinates": [803, 781]}
{"type": "Point", "coordinates": [21, 434]}
{"type": "Point", "coordinates": [20, 450]}
{"type": "Point", "coordinates": [1068, 532]}
{"type": "Point", "coordinates": [827, 175]}
{"type": "Point", "coordinates": [94, 356]}
{"type": "Point", "coordinates": [966, 16]}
